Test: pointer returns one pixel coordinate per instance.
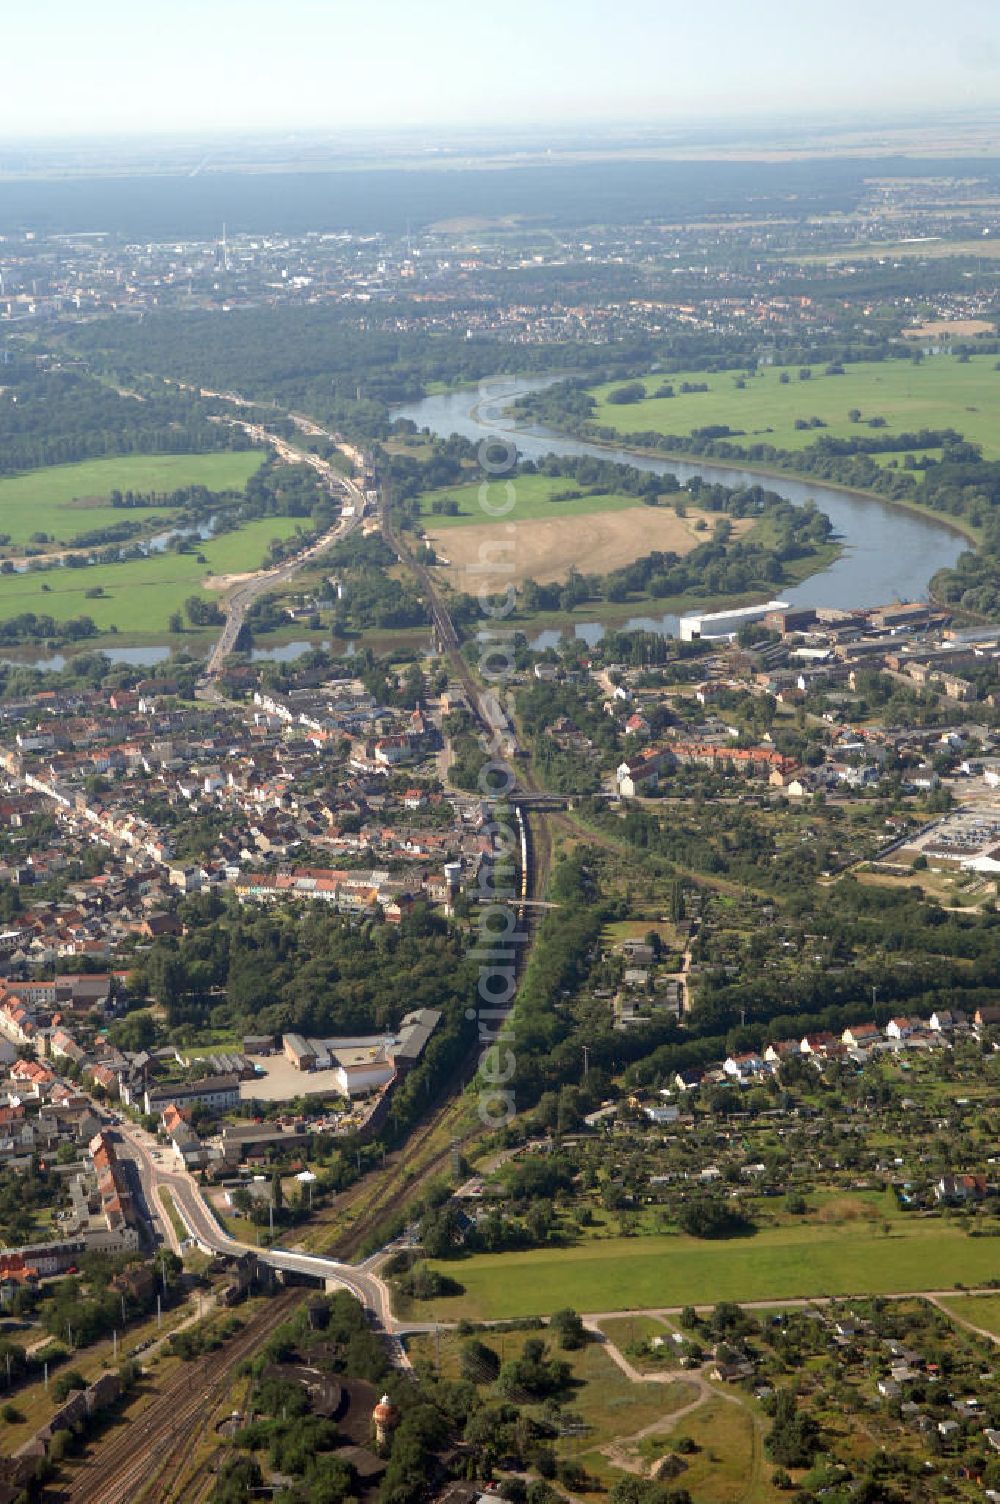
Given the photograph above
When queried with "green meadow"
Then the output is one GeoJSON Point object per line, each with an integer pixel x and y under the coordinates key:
{"type": "Point", "coordinates": [782, 1263]}
{"type": "Point", "coordinates": [141, 594]}
{"type": "Point", "coordinates": [940, 392]}
{"type": "Point", "coordinates": [64, 500]}
{"type": "Point", "coordinates": [977, 1310]}
{"type": "Point", "coordinates": [532, 498]}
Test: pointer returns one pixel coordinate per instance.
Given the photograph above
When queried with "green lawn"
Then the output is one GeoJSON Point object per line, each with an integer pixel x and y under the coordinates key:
{"type": "Point", "coordinates": [728, 1466]}
{"type": "Point", "coordinates": [140, 595]}
{"type": "Point", "coordinates": [610, 1404]}
{"type": "Point", "coordinates": [239, 1227]}
{"type": "Point", "coordinates": [176, 1221]}
{"type": "Point", "coordinates": [940, 392]}
{"type": "Point", "coordinates": [64, 500]}
{"type": "Point", "coordinates": [628, 1333]}
{"type": "Point", "coordinates": [896, 459]}
{"type": "Point", "coordinates": [978, 1310]}
{"type": "Point", "coordinates": [781, 1263]}
{"type": "Point", "coordinates": [533, 498]}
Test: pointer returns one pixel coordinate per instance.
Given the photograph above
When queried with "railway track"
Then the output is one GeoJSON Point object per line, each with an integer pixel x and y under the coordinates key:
{"type": "Point", "coordinates": [243, 596]}
{"type": "Point", "coordinates": [380, 1194]}
{"type": "Point", "coordinates": [145, 1462]}
{"type": "Point", "coordinates": [538, 842]}
{"type": "Point", "coordinates": [443, 625]}
{"type": "Point", "coordinates": [150, 1460]}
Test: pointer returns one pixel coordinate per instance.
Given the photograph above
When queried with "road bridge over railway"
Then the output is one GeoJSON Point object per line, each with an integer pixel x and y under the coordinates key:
{"type": "Point", "coordinates": [159, 1179]}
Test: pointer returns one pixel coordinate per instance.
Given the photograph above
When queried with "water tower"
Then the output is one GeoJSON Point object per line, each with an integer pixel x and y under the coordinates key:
{"type": "Point", "coordinates": [386, 1418]}
{"type": "Point", "coordinates": [452, 882]}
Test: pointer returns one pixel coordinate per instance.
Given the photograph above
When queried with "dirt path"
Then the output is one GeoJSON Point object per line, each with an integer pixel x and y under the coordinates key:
{"type": "Point", "coordinates": [794, 1303]}
{"type": "Point", "coordinates": [633, 1374]}
{"type": "Point", "coordinates": [970, 1326]}
{"type": "Point", "coordinates": [683, 977]}
{"type": "Point", "coordinates": [756, 1455]}
{"type": "Point", "coordinates": [227, 581]}
{"type": "Point", "coordinates": [624, 1452]}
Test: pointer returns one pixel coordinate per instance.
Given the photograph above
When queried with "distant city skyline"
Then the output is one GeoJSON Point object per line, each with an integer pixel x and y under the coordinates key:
{"type": "Point", "coordinates": [113, 68]}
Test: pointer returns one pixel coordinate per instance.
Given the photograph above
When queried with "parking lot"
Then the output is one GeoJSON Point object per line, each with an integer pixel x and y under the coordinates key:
{"type": "Point", "coordinates": [282, 1081]}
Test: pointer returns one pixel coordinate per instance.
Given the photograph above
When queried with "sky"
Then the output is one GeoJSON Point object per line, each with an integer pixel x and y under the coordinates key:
{"type": "Point", "coordinates": [81, 68]}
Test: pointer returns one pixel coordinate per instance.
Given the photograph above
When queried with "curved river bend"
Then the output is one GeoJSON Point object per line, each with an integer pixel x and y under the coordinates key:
{"type": "Point", "coordinates": [889, 553]}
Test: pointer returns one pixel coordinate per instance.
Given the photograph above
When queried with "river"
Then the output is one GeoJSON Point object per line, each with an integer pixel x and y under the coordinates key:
{"type": "Point", "coordinates": [888, 553]}
{"type": "Point", "coordinates": [55, 663]}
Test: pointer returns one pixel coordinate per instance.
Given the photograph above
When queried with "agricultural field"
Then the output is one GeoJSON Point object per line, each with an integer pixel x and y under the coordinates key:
{"type": "Point", "coordinates": [924, 247]}
{"type": "Point", "coordinates": [940, 392]}
{"type": "Point", "coordinates": [535, 497]}
{"type": "Point", "coordinates": [783, 1263]}
{"type": "Point", "coordinates": [594, 542]}
{"type": "Point", "coordinates": [138, 596]}
{"type": "Point", "coordinates": [64, 500]}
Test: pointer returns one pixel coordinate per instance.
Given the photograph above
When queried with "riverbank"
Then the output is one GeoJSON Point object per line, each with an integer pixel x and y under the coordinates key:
{"type": "Point", "coordinates": [616, 614]}
{"type": "Point", "coordinates": [615, 449]}
{"type": "Point", "coordinates": [887, 551]}
{"type": "Point", "coordinates": [283, 645]}
{"type": "Point", "coordinates": [958, 525]}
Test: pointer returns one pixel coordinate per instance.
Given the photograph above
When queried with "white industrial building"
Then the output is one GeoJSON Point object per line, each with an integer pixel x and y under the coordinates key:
{"type": "Point", "coordinates": [724, 624]}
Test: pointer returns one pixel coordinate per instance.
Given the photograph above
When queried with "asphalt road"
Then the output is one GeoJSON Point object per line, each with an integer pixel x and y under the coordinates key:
{"type": "Point", "coordinates": [243, 595]}
{"type": "Point", "coordinates": [157, 1172]}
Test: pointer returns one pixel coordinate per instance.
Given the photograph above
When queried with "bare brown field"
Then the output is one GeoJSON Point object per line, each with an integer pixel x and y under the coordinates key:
{"type": "Point", "coordinates": [949, 326]}
{"type": "Point", "coordinates": [547, 549]}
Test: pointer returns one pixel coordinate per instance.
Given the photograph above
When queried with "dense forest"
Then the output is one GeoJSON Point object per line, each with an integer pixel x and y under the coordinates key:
{"type": "Point", "coordinates": [348, 371]}
{"type": "Point", "coordinates": [393, 199]}
{"type": "Point", "coordinates": [974, 582]}
{"type": "Point", "coordinates": [316, 973]}
{"type": "Point", "coordinates": [369, 596]}
{"type": "Point", "coordinates": [55, 415]}
{"type": "Point", "coordinates": [318, 359]}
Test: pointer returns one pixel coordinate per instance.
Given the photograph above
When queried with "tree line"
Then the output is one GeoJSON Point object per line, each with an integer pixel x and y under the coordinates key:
{"type": "Point", "coordinates": [60, 415]}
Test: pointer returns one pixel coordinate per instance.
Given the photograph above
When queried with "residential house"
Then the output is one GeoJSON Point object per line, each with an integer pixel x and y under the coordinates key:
{"type": "Point", "coordinates": [861, 1036]}
{"type": "Point", "coordinates": [743, 1067]}
{"type": "Point", "coordinates": [818, 1044]}
{"type": "Point", "coordinates": [956, 1189]}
